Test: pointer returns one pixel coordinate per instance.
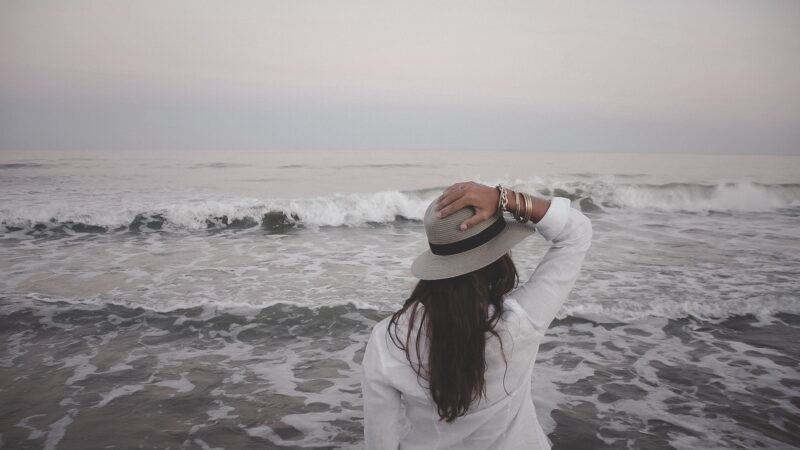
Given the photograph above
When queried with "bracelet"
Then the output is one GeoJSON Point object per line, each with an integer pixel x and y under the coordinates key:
{"type": "Point", "coordinates": [518, 213]}
{"type": "Point", "coordinates": [516, 201]}
{"type": "Point", "coordinates": [523, 208]}
{"type": "Point", "coordinates": [503, 200]}
{"type": "Point", "coordinates": [528, 207]}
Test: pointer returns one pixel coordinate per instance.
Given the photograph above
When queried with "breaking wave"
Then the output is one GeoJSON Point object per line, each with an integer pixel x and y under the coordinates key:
{"type": "Point", "coordinates": [591, 196]}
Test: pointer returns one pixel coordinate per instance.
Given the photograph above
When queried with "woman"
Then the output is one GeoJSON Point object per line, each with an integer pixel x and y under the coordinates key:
{"type": "Point", "coordinates": [452, 368]}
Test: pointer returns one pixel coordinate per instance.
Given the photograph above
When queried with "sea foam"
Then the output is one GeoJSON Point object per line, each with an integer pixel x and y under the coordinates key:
{"type": "Point", "coordinates": [358, 209]}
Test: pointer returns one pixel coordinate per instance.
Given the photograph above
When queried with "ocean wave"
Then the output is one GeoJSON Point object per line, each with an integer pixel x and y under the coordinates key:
{"type": "Point", "coordinates": [275, 215]}
{"type": "Point", "coordinates": [23, 165]}
{"type": "Point", "coordinates": [358, 209]}
{"type": "Point", "coordinates": [709, 310]}
{"type": "Point", "coordinates": [724, 196]}
{"type": "Point", "coordinates": [621, 312]}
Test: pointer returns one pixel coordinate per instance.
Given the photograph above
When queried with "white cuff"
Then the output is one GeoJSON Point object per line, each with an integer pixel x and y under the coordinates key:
{"type": "Point", "coordinates": [555, 218]}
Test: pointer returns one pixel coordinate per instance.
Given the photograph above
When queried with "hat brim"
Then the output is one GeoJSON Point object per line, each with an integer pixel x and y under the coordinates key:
{"type": "Point", "coordinates": [429, 266]}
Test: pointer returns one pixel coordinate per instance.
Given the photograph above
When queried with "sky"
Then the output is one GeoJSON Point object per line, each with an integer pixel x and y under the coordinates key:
{"type": "Point", "coordinates": [699, 76]}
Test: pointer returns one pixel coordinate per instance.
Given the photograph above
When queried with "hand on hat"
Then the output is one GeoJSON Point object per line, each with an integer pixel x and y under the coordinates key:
{"type": "Point", "coordinates": [460, 195]}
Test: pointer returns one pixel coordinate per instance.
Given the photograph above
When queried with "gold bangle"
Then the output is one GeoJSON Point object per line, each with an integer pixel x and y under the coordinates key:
{"type": "Point", "coordinates": [516, 201]}
{"type": "Point", "coordinates": [528, 207]}
{"type": "Point", "coordinates": [524, 208]}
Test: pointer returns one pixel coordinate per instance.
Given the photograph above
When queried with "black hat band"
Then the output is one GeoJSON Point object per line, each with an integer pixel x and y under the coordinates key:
{"type": "Point", "coordinates": [471, 242]}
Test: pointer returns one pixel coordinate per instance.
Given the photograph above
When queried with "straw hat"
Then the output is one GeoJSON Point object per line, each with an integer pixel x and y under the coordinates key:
{"type": "Point", "coordinates": [455, 252]}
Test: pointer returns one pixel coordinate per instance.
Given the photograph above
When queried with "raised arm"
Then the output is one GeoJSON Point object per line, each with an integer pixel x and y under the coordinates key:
{"type": "Point", "coordinates": [555, 220]}
{"type": "Point", "coordinates": [548, 287]}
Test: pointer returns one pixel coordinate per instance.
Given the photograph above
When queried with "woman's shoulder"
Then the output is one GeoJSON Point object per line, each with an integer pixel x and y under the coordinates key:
{"type": "Point", "coordinates": [380, 328]}
{"type": "Point", "coordinates": [515, 316]}
{"type": "Point", "coordinates": [383, 341]}
{"type": "Point", "coordinates": [380, 331]}
{"type": "Point", "coordinates": [402, 319]}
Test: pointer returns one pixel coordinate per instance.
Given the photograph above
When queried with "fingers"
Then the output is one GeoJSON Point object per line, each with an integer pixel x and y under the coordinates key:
{"type": "Point", "coordinates": [450, 195]}
{"type": "Point", "coordinates": [452, 189]}
{"type": "Point", "coordinates": [454, 198]}
{"type": "Point", "coordinates": [453, 206]}
{"type": "Point", "coordinates": [443, 201]}
{"type": "Point", "coordinates": [456, 187]}
{"type": "Point", "coordinates": [476, 219]}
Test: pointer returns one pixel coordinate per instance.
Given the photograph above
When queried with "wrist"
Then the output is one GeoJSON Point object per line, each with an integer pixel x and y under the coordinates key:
{"type": "Point", "coordinates": [502, 199]}
{"type": "Point", "coordinates": [511, 206]}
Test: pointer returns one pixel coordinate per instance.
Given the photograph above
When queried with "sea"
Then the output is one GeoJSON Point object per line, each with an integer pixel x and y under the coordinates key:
{"type": "Point", "coordinates": [223, 300]}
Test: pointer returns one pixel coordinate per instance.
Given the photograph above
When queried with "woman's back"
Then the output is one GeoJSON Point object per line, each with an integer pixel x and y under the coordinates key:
{"type": "Point", "coordinates": [398, 406]}
{"type": "Point", "coordinates": [500, 419]}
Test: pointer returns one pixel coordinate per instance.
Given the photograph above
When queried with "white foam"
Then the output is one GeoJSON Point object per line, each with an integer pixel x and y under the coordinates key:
{"type": "Point", "coordinates": [181, 385]}
{"type": "Point", "coordinates": [709, 310]}
{"type": "Point", "coordinates": [35, 432]}
{"type": "Point", "coordinates": [357, 209]}
{"type": "Point", "coordinates": [192, 213]}
{"type": "Point", "coordinates": [204, 445]}
{"type": "Point", "coordinates": [120, 367]}
{"type": "Point", "coordinates": [713, 309]}
{"type": "Point", "coordinates": [223, 412]}
{"type": "Point", "coordinates": [642, 355]}
{"type": "Point", "coordinates": [118, 392]}
{"type": "Point", "coordinates": [82, 366]}
{"type": "Point", "coordinates": [191, 210]}
{"type": "Point", "coordinates": [57, 430]}
{"type": "Point", "coordinates": [723, 196]}
{"type": "Point", "coordinates": [14, 347]}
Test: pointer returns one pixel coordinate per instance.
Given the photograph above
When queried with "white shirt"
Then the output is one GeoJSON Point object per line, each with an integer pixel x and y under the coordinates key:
{"type": "Point", "coordinates": [398, 410]}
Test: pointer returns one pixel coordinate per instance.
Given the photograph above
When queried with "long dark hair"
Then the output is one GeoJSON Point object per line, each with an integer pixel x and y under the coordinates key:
{"type": "Point", "coordinates": [455, 316]}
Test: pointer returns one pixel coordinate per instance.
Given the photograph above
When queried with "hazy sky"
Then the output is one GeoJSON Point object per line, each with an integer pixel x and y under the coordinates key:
{"type": "Point", "coordinates": [687, 76]}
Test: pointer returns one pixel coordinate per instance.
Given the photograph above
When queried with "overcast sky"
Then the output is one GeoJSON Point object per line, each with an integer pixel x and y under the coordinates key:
{"type": "Point", "coordinates": [718, 76]}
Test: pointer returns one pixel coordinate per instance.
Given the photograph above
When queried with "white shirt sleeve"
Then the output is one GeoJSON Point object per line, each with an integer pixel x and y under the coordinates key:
{"type": "Point", "coordinates": [382, 413]}
{"type": "Point", "coordinates": [552, 280]}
